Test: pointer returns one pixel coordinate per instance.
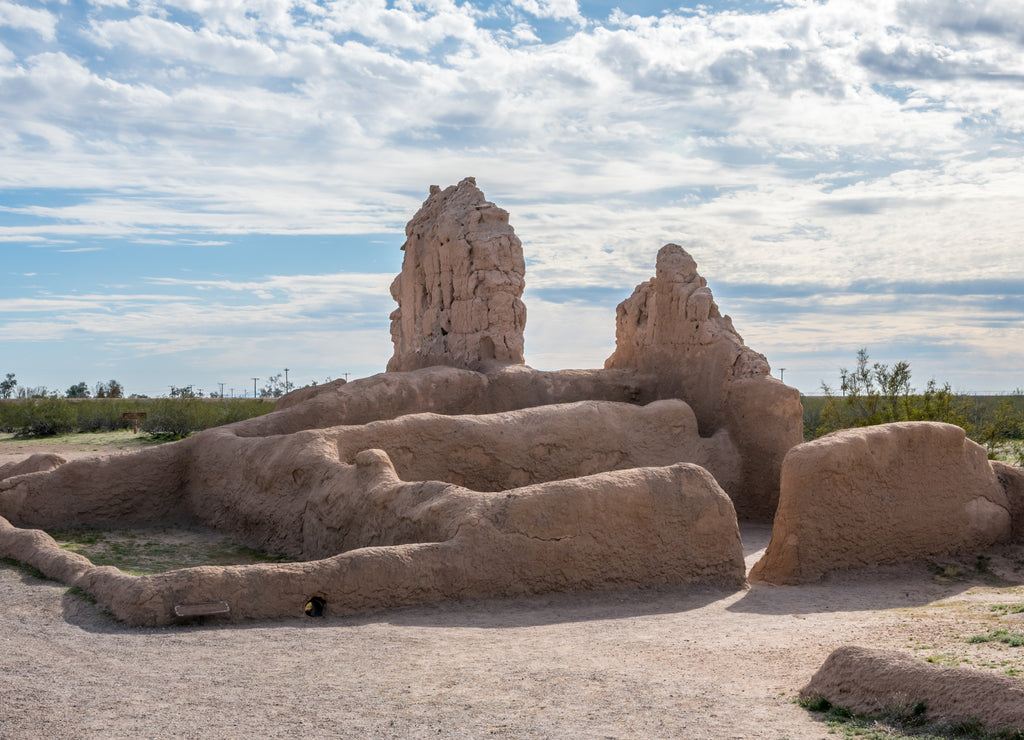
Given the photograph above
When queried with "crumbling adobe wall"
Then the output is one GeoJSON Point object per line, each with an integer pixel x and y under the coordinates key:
{"type": "Point", "coordinates": [259, 489]}
{"type": "Point", "coordinates": [40, 462]}
{"type": "Point", "coordinates": [459, 290]}
{"type": "Point", "coordinates": [494, 452]}
{"type": "Point", "coordinates": [882, 494]}
{"type": "Point", "coordinates": [582, 487]}
{"type": "Point", "coordinates": [671, 331]}
{"type": "Point", "coordinates": [428, 541]}
{"type": "Point", "coordinates": [441, 390]}
{"type": "Point", "coordinates": [1012, 480]}
{"type": "Point", "coordinates": [146, 487]}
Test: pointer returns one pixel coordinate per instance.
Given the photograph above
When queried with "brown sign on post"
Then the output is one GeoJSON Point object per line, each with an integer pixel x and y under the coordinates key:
{"type": "Point", "coordinates": [134, 416]}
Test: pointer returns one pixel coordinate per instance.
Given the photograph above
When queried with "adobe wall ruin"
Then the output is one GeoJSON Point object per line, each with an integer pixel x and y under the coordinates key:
{"type": "Point", "coordinates": [400, 542]}
{"type": "Point", "coordinates": [459, 292]}
{"type": "Point", "coordinates": [670, 332]}
{"type": "Point", "coordinates": [462, 472]}
{"type": "Point", "coordinates": [509, 480]}
{"type": "Point", "coordinates": [883, 494]}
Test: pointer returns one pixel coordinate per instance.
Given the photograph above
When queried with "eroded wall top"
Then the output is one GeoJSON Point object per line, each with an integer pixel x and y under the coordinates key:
{"type": "Point", "coordinates": [459, 290]}
{"type": "Point", "coordinates": [672, 321]}
{"type": "Point", "coordinates": [671, 328]}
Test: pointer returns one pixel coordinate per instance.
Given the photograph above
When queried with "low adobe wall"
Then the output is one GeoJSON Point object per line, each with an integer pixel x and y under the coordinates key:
{"type": "Point", "coordinates": [494, 452]}
{"type": "Point", "coordinates": [882, 494]}
{"type": "Point", "coordinates": [259, 489]}
{"type": "Point", "coordinates": [669, 525]}
{"type": "Point", "coordinates": [873, 682]}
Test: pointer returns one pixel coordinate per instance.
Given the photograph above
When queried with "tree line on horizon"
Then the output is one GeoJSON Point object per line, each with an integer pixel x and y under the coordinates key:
{"type": "Point", "coordinates": [869, 394]}
{"type": "Point", "coordinates": [275, 387]}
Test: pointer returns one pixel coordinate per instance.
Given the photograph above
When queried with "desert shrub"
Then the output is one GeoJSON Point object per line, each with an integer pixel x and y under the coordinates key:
{"type": "Point", "coordinates": [178, 417]}
{"type": "Point", "coordinates": [230, 411]}
{"type": "Point", "coordinates": [172, 418]}
{"type": "Point", "coordinates": [44, 417]}
{"type": "Point", "coordinates": [1007, 637]}
{"type": "Point", "coordinates": [9, 416]}
{"type": "Point", "coordinates": [877, 394]}
{"type": "Point", "coordinates": [103, 415]}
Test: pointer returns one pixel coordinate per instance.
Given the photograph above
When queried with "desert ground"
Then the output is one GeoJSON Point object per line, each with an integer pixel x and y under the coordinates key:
{"type": "Point", "coordinates": [681, 662]}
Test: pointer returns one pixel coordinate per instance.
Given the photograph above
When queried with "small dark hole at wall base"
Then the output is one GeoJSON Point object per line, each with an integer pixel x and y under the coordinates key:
{"type": "Point", "coordinates": [315, 607]}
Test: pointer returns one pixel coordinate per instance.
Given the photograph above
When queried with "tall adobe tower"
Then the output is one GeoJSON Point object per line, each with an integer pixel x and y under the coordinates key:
{"type": "Point", "coordinates": [459, 291]}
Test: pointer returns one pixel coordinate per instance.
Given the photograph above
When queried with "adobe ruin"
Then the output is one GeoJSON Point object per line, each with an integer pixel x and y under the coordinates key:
{"type": "Point", "coordinates": [460, 471]}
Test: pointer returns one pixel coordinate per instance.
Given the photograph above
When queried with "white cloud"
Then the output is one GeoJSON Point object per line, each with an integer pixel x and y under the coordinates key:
{"type": "Point", "coordinates": [42, 22]}
{"type": "Point", "coordinates": [803, 144]}
{"type": "Point", "coordinates": [555, 9]}
{"type": "Point", "coordinates": [231, 323]}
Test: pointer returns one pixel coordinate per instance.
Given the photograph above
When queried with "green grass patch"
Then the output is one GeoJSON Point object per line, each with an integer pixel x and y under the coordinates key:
{"type": "Point", "coordinates": [1007, 608]}
{"type": "Point", "coordinates": [81, 594]}
{"type": "Point", "coordinates": [903, 722]}
{"type": "Point", "coordinates": [1013, 638]}
{"type": "Point", "coordinates": [149, 551]}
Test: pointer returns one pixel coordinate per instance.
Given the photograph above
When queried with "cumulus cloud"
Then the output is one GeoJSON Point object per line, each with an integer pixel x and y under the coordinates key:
{"type": "Point", "coordinates": [788, 143]}
{"type": "Point", "coordinates": [21, 17]}
{"type": "Point", "coordinates": [555, 9]}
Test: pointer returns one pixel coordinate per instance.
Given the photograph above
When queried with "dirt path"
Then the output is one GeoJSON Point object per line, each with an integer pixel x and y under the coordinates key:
{"type": "Point", "coordinates": [653, 663]}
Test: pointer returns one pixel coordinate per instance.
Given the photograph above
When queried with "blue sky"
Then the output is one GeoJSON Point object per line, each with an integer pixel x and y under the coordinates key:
{"type": "Point", "coordinates": [203, 191]}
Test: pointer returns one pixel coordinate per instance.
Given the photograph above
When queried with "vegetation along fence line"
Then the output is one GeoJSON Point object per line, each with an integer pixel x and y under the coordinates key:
{"type": "Point", "coordinates": [169, 417]}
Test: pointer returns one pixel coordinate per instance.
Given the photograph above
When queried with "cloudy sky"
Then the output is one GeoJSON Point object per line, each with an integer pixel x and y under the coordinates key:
{"type": "Point", "coordinates": [203, 191]}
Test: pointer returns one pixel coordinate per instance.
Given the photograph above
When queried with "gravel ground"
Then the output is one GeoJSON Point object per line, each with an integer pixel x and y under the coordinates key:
{"type": "Point", "coordinates": [669, 662]}
{"type": "Point", "coordinates": [654, 663]}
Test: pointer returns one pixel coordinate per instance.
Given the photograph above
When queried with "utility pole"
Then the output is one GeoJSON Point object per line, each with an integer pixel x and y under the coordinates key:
{"type": "Point", "coordinates": [346, 376]}
{"type": "Point", "coordinates": [286, 380]}
{"type": "Point", "coordinates": [254, 387]}
{"type": "Point", "coordinates": [232, 392]}
{"type": "Point", "coordinates": [782, 374]}
{"type": "Point", "coordinates": [221, 390]}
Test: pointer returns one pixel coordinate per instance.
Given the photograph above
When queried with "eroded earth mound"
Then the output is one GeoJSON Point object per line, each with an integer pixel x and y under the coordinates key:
{"type": "Point", "coordinates": [886, 682]}
{"type": "Point", "coordinates": [459, 290]}
{"type": "Point", "coordinates": [883, 494]}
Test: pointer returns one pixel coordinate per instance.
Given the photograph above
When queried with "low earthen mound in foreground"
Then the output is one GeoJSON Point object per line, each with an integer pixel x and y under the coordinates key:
{"type": "Point", "coordinates": [886, 682]}
{"type": "Point", "coordinates": [882, 494]}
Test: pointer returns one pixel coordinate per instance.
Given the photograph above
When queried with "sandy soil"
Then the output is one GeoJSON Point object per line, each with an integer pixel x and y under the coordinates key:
{"type": "Point", "coordinates": [72, 446]}
{"type": "Point", "coordinates": [652, 663]}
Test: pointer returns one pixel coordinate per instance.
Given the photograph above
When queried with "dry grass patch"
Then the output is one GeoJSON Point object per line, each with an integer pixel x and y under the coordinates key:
{"type": "Point", "coordinates": [146, 551]}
